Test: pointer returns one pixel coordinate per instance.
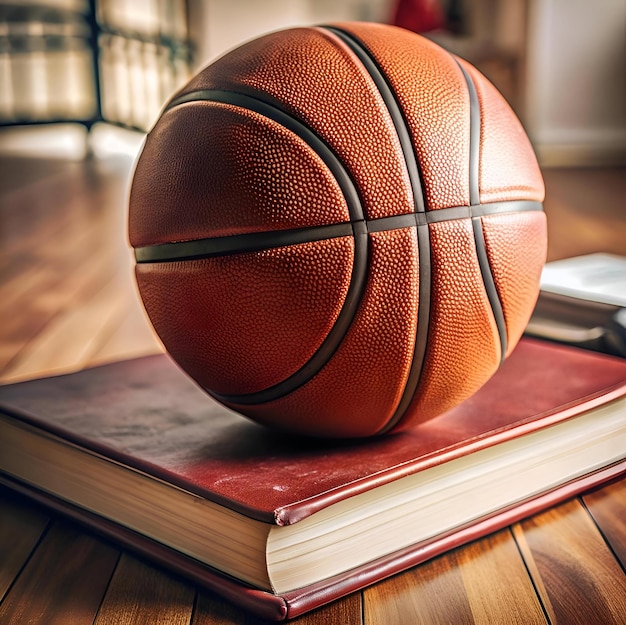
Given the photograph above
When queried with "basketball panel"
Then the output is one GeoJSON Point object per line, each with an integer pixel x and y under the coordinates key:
{"type": "Point", "coordinates": [516, 248]}
{"type": "Point", "coordinates": [357, 392]}
{"type": "Point", "coordinates": [508, 168]}
{"type": "Point", "coordinates": [463, 349]}
{"type": "Point", "coordinates": [314, 76]}
{"type": "Point", "coordinates": [210, 169]}
{"type": "Point", "coordinates": [241, 323]}
{"type": "Point", "coordinates": [432, 93]}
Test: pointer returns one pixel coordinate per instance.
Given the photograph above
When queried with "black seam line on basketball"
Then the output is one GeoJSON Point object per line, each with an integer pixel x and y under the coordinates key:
{"type": "Point", "coordinates": [285, 119]}
{"type": "Point", "coordinates": [393, 107]}
{"type": "Point", "coordinates": [358, 278]}
{"type": "Point", "coordinates": [259, 241]}
{"type": "Point", "coordinates": [450, 214]}
{"type": "Point", "coordinates": [479, 235]}
{"type": "Point", "coordinates": [329, 345]}
{"type": "Point", "coordinates": [423, 238]}
{"type": "Point", "coordinates": [421, 337]}
{"type": "Point", "coordinates": [490, 286]}
{"type": "Point", "coordinates": [460, 212]}
{"type": "Point", "coordinates": [475, 122]}
{"type": "Point", "coordinates": [239, 244]}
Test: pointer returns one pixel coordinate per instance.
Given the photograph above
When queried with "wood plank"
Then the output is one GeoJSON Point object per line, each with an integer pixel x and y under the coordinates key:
{"type": "Point", "coordinates": [64, 580]}
{"type": "Point", "coordinates": [347, 611]}
{"type": "Point", "coordinates": [67, 343]}
{"type": "Point", "coordinates": [62, 259]}
{"type": "Point", "coordinates": [49, 215]}
{"type": "Point", "coordinates": [608, 509]}
{"type": "Point", "coordinates": [68, 308]}
{"type": "Point", "coordinates": [497, 582]}
{"type": "Point", "coordinates": [431, 593]}
{"type": "Point", "coordinates": [21, 527]}
{"type": "Point", "coordinates": [483, 582]}
{"type": "Point", "coordinates": [574, 571]}
{"type": "Point", "coordinates": [211, 610]}
{"type": "Point", "coordinates": [133, 337]}
{"type": "Point", "coordinates": [28, 214]}
{"type": "Point", "coordinates": [140, 594]}
{"type": "Point", "coordinates": [17, 172]}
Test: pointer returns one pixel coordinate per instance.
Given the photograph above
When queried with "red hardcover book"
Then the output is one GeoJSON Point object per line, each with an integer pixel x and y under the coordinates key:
{"type": "Point", "coordinates": [280, 524]}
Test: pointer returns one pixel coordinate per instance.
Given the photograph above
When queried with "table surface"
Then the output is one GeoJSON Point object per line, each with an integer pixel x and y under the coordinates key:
{"type": "Point", "coordinates": [67, 301]}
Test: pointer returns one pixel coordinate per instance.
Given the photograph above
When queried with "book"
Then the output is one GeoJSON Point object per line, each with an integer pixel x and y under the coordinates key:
{"type": "Point", "coordinates": [280, 524]}
{"type": "Point", "coordinates": [582, 302]}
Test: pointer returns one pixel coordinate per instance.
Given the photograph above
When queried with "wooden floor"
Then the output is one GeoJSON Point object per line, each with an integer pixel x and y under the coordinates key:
{"type": "Point", "coordinates": [67, 300]}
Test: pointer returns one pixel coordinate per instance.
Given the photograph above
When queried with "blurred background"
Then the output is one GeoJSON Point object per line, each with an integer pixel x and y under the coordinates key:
{"type": "Point", "coordinates": [81, 81]}
{"type": "Point", "coordinates": [560, 63]}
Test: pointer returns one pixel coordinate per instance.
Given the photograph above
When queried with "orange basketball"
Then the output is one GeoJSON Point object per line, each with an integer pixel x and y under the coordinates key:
{"type": "Point", "coordinates": [338, 230]}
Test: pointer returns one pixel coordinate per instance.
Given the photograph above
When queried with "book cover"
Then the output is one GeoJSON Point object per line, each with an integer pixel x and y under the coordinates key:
{"type": "Point", "coordinates": [582, 303]}
{"type": "Point", "coordinates": [147, 415]}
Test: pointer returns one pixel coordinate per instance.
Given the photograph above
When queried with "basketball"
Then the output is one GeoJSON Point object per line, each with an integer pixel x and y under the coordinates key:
{"type": "Point", "coordinates": [338, 230]}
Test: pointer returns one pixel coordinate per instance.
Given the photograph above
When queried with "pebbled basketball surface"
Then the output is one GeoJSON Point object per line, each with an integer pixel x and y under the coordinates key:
{"type": "Point", "coordinates": [338, 230]}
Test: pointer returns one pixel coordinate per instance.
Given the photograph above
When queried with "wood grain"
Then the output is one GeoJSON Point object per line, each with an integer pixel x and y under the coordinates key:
{"type": "Point", "coordinates": [21, 527]}
{"type": "Point", "coordinates": [498, 587]}
{"type": "Point", "coordinates": [483, 582]}
{"type": "Point", "coordinates": [573, 569]}
{"type": "Point", "coordinates": [140, 594]}
{"type": "Point", "coordinates": [346, 611]}
{"type": "Point", "coordinates": [608, 508]}
{"type": "Point", "coordinates": [210, 610]}
{"type": "Point", "coordinates": [432, 593]}
{"type": "Point", "coordinates": [67, 292]}
{"type": "Point", "coordinates": [64, 580]}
